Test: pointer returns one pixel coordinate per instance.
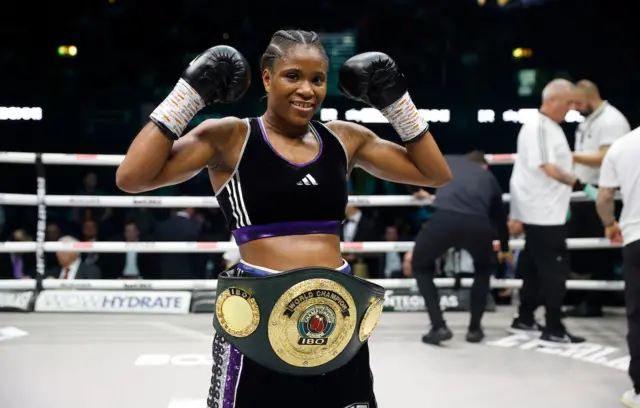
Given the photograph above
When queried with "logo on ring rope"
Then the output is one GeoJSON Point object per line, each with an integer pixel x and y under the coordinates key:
{"type": "Point", "coordinates": [312, 323]}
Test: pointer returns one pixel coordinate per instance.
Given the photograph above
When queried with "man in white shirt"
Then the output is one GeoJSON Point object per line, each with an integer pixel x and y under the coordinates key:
{"type": "Point", "coordinates": [620, 169]}
{"type": "Point", "coordinates": [604, 124]}
{"type": "Point", "coordinates": [541, 186]}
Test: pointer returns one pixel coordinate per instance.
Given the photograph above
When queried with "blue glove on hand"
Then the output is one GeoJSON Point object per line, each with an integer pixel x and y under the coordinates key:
{"type": "Point", "coordinates": [589, 190]}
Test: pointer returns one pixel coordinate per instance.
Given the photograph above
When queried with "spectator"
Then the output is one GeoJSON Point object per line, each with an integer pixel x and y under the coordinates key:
{"type": "Point", "coordinates": [131, 264]}
{"type": "Point", "coordinates": [52, 234]}
{"type": "Point", "coordinates": [391, 261]}
{"type": "Point", "coordinates": [99, 214]}
{"type": "Point", "coordinates": [18, 265]}
{"type": "Point", "coordinates": [90, 232]}
{"type": "Point", "coordinates": [357, 227]}
{"type": "Point", "coordinates": [180, 227]}
{"type": "Point", "coordinates": [407, 267]}
{"type": "Point", "coordinates": [70, 265]}
{"type": "Point", "coordinates": [90, 185]}
{"type": "Point", "coordinates": [144, 220]}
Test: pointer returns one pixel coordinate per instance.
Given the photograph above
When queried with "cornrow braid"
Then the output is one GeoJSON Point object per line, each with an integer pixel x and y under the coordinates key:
{"type": "Point", "coordinates": [282, 41]}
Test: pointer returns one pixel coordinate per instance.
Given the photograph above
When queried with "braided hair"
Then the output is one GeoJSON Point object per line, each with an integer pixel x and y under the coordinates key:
{"type": "Point", "coordinates": [283, 40]}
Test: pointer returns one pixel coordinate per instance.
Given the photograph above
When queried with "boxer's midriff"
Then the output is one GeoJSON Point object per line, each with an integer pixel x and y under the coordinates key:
{"type": "Point", "coordinates": [291, 252]}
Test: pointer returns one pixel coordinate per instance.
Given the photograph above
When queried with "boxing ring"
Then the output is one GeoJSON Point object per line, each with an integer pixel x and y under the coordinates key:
{"type": "Point", "coordinates": [142, 344]}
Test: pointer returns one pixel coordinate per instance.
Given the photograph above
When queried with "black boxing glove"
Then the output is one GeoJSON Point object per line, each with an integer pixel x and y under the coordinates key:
{"type": "Point", "coordinates": [374, 78]}
{"type": "Point", "coordinates": [221, 74]}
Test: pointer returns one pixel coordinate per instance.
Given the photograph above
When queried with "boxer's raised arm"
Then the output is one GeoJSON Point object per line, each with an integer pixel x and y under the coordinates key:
{"type": "Point", "coordinates": [154, 161]}
{"type": "Point", "coordinates": [159, 156]}
{"type": "Point", "coordinates": [375, 79]}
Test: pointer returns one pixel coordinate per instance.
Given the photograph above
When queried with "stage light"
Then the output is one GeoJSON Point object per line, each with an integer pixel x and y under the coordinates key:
{"type": "Point", "coordinates": [522, 53]}
{"type": "Point", "coordinates": [20, 113]}
{"type": "Point", "coordinates": [67, 51]}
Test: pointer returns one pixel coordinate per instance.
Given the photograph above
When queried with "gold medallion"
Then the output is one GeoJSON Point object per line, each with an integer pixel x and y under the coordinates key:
{"type": "Point", "coordinates": [237, 312]}
{"type": "Point", "coordinates": [312, 322]}
{"type": "Point", "coordinates": [370, 319]}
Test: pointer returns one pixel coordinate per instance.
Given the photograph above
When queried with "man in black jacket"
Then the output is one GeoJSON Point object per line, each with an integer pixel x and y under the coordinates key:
{"type": "Point", "coordinates": [358, 227]}
{"type": "Point", "coordinates": [180, 226]}
{"type": "Point", "coordinates": [469, 214]}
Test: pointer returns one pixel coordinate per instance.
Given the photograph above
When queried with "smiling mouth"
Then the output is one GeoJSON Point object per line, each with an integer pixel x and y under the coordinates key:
{"type": "Point", "coordinates": [303, 105]}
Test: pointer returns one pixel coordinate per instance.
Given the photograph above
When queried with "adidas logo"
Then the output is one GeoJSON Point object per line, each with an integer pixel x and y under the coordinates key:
{"type": "Point", "coordinates": [308, 180]}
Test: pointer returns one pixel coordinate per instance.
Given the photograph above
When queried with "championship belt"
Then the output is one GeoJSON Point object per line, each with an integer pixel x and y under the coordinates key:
{"type": "Point", "coordinates": [306, 321]}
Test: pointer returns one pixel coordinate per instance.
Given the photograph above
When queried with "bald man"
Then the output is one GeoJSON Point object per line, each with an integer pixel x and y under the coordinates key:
{"type": "Point", "coordinates": [541, 185]}
{"type": "Point", "coordinates": [604, 124]}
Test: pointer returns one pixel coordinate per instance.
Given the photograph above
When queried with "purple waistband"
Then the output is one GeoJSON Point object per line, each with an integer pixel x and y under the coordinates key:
{"type": "Point", "coordinates": [253, 232]}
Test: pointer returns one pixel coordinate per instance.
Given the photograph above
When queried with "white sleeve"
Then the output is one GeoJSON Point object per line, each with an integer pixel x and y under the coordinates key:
{"type": "Point", "coordinates": [232, 255]}
{"type": "Point", "coordinates": [612, 131]}
{"type": "Point", "coordinates": [514, 211]}
{"type": "Point", "coordinates": [608, 175]}
{"type": "Point", "coordinates": [539, 145]}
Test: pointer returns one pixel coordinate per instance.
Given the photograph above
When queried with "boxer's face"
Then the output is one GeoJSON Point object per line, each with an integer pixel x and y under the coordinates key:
{"type": "Point", "coordinates": [298, 84]}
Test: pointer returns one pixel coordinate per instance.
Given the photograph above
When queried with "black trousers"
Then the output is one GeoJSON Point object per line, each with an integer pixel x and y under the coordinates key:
{"type": "Point", "coordinates": [543, 266]}
{"type": "Point", "coordinates": [447, 230]}
{"type": "Point", "coordinates": [631, 266]}
{"type": "Point", "coordinates": [598, 263]}
{"type": "Point", "coordinates": [239, 382]}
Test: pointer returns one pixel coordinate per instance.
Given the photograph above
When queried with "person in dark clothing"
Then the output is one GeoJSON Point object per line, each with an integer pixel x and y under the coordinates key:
{"type": "Point", "coordinates": [469, 213]}
{"type": "Point", "coordinates": [180, 227]}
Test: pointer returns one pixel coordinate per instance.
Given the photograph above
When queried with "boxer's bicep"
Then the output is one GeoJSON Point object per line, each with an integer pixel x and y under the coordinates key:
{"type": "Point", "coordinates": [378, 157]}
{"type": "Point", "coordinates": [420, 164]}
{"type": "Point", "coordinates": [389, 161]}
{"type": "Point", "coordinates": [197, 149]}
{"type": "Point", "coordinates": [153, 161]}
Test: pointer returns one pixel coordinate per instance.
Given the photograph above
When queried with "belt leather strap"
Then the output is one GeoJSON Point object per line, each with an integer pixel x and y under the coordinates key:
{"type": "Point", "coordinates": [306, 321]}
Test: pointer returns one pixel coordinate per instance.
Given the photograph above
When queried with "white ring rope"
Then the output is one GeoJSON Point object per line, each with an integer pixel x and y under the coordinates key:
{"type": "Point", "coordinates": [115, 160]}
{"type": "Point", "coordinates": [208, 202]}
{"type": "Point", "coordinates": [62, 159]}
{"type": "Point", "coordinates": [211, 284]}
{"type": "Point", "coordinates": [223, 246]}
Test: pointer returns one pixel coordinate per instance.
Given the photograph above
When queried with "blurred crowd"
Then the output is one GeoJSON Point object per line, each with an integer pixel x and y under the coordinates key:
{"type": "Point", "coordinates": [185, 224]}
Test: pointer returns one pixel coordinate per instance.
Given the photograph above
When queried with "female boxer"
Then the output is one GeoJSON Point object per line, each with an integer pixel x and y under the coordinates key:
{"type": "Point", "coordinates": [281, 181]}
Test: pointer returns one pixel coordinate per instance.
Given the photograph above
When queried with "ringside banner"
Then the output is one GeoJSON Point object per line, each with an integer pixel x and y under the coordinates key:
{"type": "Point", "coordinates": [15, 300]}
{"type": "Point", "coordinates": [408, 300]}
{"type": "Point", "coordinates": [143, 302]}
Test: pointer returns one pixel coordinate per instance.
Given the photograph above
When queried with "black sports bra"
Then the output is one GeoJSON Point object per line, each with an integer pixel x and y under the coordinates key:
{"type": "Point", "coordinates": [268, 196]}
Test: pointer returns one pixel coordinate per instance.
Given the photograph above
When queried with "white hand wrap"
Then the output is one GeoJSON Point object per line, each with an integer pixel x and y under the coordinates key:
{"type": "Point", "coordinates": [405, 118]}
{"type": "Point", "coordinates": [178, 108]}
